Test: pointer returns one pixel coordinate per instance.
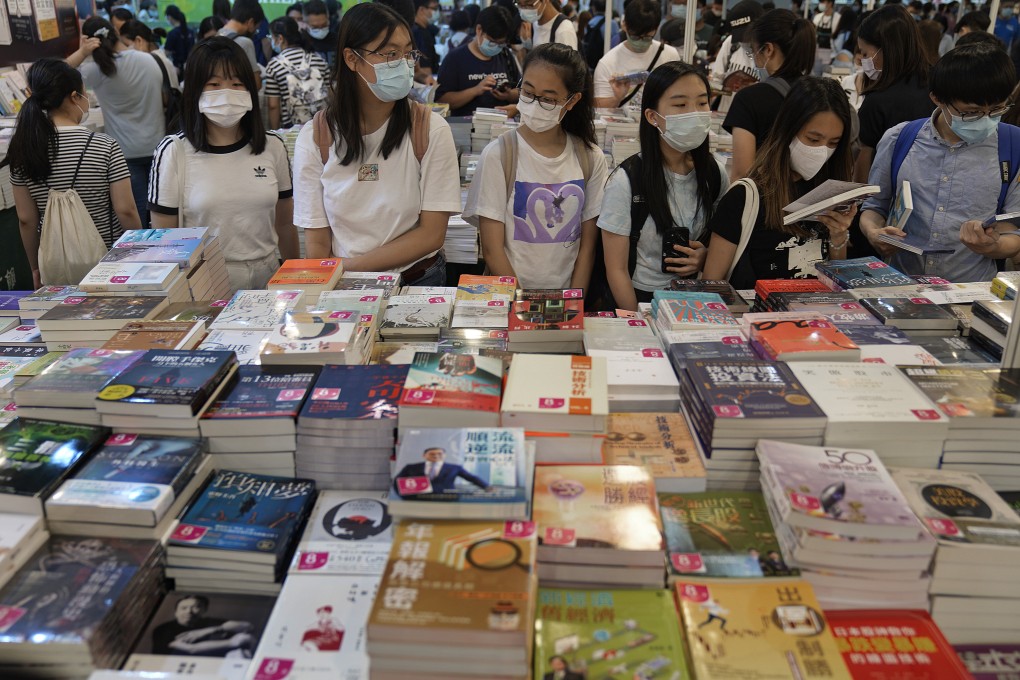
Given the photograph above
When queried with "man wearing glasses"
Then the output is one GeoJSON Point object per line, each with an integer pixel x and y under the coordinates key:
{"type": "Point", "coordinates": [956, 171]}
{"type": "Point", "coordinates": [543, 24]}
{"type": "Point", "coordinates": [481, 73]}
{"type": "Point", "coordinates": [639, 52]}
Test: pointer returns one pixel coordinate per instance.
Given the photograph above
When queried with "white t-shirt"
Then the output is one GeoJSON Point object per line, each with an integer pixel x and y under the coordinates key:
{"type": "Point", "coordinates": [230, 190]}
{"type": "Point", "coordinates": [171, 70]}
{"type": "Point", "coordinates": [621, 60]}
{"type": "Point", "coordinates": [566, 33]}
{"type": "Point", "coordinates": [368, 204]}
{"type": "Point", "coordinates": [683, 200]}
{"type": "Point", "coordinates": [728, 58]}
{"type": "Point", "coordinates": [542, 217]}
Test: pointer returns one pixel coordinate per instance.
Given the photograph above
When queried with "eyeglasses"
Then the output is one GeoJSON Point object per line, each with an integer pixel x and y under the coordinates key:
{"type": "Point", "coordinates": [749, 51]}
{"type": "Point", "coordinates": [528, 5]}
{"type": "Point", "coordinates": [971, 116]}
{"type": "Point", "coordinates": [544, 102]}
{"type": "Point", "coordinates": [393, 57]}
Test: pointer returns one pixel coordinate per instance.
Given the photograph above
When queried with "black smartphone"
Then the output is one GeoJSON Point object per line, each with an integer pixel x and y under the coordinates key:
{"type": "Point", "coordinates": [503, 86]}
{"type": "Point", "coordinates": [677, 236]}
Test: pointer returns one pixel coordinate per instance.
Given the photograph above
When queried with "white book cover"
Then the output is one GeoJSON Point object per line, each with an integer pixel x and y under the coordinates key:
{"type": "Point", "coordinates": [317, 630]}
{"type": "Point", "coordinates": [21, 334]}
{"type": "Point", "coordinates": [417, 311]}
{"type": "Point", "coordinates": [257, 309]}
{"type": "Point", "coordinates": [129, 276]}
{"type": "Point", "coordinates": [430, 291]}
{"type": "Point", "coordinates": [644, 368]}
{"type": "Point", "coordinates": [614, 327]}
{"type": "Point", "coordinates": [47, 297]}
{"type": "Point", "coordinates": [245, 344]}
{"type": "Point", "coordinates": [733, 336]}
{"type": "Point", "coordinates": [146, 675]}
{"type": "Point", "coordinates": [337, 299]}
{"type": "Point", "coordinates": [348, 532]}
{"type": "Point", "coordinates": [303, 333]}
{"type": "Point", "coordinates": [15, 532]}
{"type": "Point", "coordinates": [937, 293]}
{"type": "Point", "coordinates": [898, 355]}
{"type": "Point", "coordinates": [481, 314]}
{"type": "Point", "coordinates": [400, 353]}
{"type": "Point", "coordinates": [557, 384]}
{"type": "Point", "coordinates": [157, 237]}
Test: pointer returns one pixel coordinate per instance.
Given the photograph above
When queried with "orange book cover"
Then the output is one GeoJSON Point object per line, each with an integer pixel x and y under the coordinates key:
{"type": "Point", "coordinates": [305, 273]}
{"type": "Point", "coordinates": [765, 287]}
{"type": "Point", "coordinates": [799, 335]}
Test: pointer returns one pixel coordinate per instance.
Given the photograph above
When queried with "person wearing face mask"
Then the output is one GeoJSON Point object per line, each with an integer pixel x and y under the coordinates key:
{"type": "Point", "coordinates": [180, 39]}
{"type": "Point", "coordinates": [679, 180]}
{"type": "Point", "coordinates": [731, 54]}
{"type": "Point", "coordinates": [426, 15]}
{"type": "Point", "coordinates": [952, 165]}
{"type": "Point", "coordinates": [808, 145]}
{"type": "Point", "coordinates": [142, 38]}
{"type": "Point", "coordinates": [376, 176]}
{"type": "Point", "coordinates": [1006, 26]}
{"type": "Point", "coordinates": [482, 73]}
{"type": "Point", "coordinates": [129, 86]}
{"type": "Point", "coordinates": [224, 171]}
{"type": "Point", "coordinates": [537, 191]}
{"type": "Point", "coordinates": [296, 78]}
{"type": "Point", "coordinates": [91, 163]}
{"type": "Point", "coordinates": [319, 37]}
{"type": "Point", "coordinates": [543, 23]}
{"type": "Point", "coordinates": [245, 17]}
{"type": "Point", "coordinates": [639, 52]}
{"type": "Point", "coordinates": [824, 23]}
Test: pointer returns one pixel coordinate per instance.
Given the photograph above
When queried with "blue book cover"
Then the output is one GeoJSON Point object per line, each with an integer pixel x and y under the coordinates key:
{"type": "Point", "coordinates": [9, 300]}
{"type": "Point", "coordinates": [862, 272]}
{"type": "Point", "coordinates": [683, 295]}
{"type": "Point", "coordinates": [750, 389]}
{"type": "Point", "coordinates": [356, 393]}
{"type": "Point", "coordinates": [170, 377]}
{"type": "Point", "coordinates": [238, 511]}
{"type": "Point", "coordinates": [875, 335]}
{"type": "Point", "coordinates": [681, 353]}
{"type": "Point", "coordinates": [36, 455]}
{"type": "Point", "coordinates": [264, 392]}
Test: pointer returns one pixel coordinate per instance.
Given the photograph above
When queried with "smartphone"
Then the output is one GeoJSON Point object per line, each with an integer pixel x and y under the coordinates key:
{"type": "Point", "coordinates": [677, 236]}
{"type": "Point", "coordinates": [503, 86]}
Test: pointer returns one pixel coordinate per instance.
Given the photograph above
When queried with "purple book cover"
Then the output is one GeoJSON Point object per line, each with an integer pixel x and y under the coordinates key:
{"type": "Point", "coordinates": [356, 392]}
{"type": "Point", "coordinates": [9, 299]}
{"type": "Point", "coordinates": [992, 661]}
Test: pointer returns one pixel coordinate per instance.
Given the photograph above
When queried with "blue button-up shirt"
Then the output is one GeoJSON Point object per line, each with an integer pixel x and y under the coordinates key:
{"type": "Point", "coordinates": [950, 184]}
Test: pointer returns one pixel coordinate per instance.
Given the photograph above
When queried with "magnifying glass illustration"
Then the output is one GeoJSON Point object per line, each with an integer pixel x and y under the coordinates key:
{"type": "Point", "coordinates": [495, 554]}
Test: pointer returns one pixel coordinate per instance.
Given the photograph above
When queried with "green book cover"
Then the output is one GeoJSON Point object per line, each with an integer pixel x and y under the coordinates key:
{"type": "Point", "coordinates": [608, 635]}
{"type": "Point", "coordinates": [725, 534]}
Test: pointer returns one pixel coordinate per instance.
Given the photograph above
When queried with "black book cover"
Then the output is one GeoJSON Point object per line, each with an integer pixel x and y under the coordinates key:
{"type": "Point", "coordinates": [171, 377]}
{"type": "Point", "coordinates": [36, 455]}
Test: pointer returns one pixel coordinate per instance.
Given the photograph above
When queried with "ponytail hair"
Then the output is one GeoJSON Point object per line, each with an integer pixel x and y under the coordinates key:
{"type": "Point", "coordinates": [174, 12]}
{"type": "Point", "coordinates": [288, 29]}
{"type": "Point", "coordinates": [793, 36]}
{"type": "Point", "coordinates": [573, 70]}
{"type": "Point", "coordinates": [33, 147]}
{"type": "Point", "coordinates": [97, 27]}
{"type": "Point", "coordinates": [133, 28]}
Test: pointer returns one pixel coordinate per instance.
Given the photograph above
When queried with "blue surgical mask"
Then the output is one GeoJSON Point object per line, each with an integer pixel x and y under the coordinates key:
{"type": "Point", "coordinates": [974, 131]}
{"type": "Point", "coordinates": [489, 48]}
{"type": "Point", "coordinates": [319, 33]}
{"type": "Point", "coordinates": [1007, 12]}
{"type": "Point", "coordinates": [639, 44]}
{"type": "Point", "coordinates": [434, 17]}
{"type": "Point", "coordinates": [678, 11]}
{"type": "Point", "coordinates": [391, 83]}
{"type": "Point", "coordinates": [763, 73]}
{"type": "Point", "coordinates": [277, 48]}
{"type": "Point", "coordinates": [529, 15]}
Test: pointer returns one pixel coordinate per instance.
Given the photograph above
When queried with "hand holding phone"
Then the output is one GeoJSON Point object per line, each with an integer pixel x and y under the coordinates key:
{"type": "Point", "coordinates": [677, 236]}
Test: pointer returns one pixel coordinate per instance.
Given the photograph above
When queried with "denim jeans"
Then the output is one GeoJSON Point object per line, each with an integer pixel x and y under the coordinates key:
{"type": "Point", "coordinates": [139, 169]}
{"type": "Point", "coordinates": [435, 275]}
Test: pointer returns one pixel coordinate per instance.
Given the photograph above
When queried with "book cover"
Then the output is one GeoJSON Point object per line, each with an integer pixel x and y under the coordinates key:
{"type": "Point", "coordinates": [800, 336]}
{"type": "Point", "coordinates": [474, 287]}
{"type": "Point", "coordinates": [768, 630]}
{"type": "Point", "coordinates": [902, 206]}
{"type": "Point", "coordinates": [161, 237]}
{"type": "Point", "coordinates": [80, 371]}
{"type": "Point", "coordinates": [399, 353]}
{"type": "Point", "coordinates": [542, 313]}
{"type": "Point", "coordinates": [100, 308]}
{"type": "Point", "coordinates": [36, 455]}
{"type": "Point", "coordinates": [998, 314]}
{"type": "Point", "coordinates": [486, 465]}
{"type": "Point", "coordinates": [238, 511]}
{"type": "Point", "coordinates": [681, 313]}
{"type": "Point", "coordinates": [263, 392]}
{"type": "Point", "coordinates": [348, 532]}
{"type": "Point", "coordinates": [417, 311]}
{"type": "Point", "coordinates": [991, 661]}
{"type": "Point", "coordinates": [356, 393]}
{"type": "Point", "coordinates": [159, 245]}
{"type": "Point", "coordinates": [721, 534]}
{"type": "Point", "coordinates": [302, 333]}
{"type": "Point", "coordinates": [246, 345]}
{"type": "Point", "coordinates": [130, 471]}
{"type": "Point", "coordinates": [462, 577]}
{"type": "Point", "coordinates": [751, 389]}
{"type": "Point", "coordinates": [956, 350]}
{"type": "Point", "coordinates": [455, 381]}
{"type": "Point", "coordinates": [875, 335]}
{"type": "Point", "coordinates": [387, 281]}
{"type": "Point", "coordinates": [714, 343]}
{"type": "Point", "coordinates": [765, 288]}
{"type": "Point", "coordinates": [300, 273]}
{"type": "Point", "coordinates": [660, 442]}
{"type": "Point", "coordinates": [896, 311]}
{"type": "Point", "coordinates": [10, 301]}
{"type": "Point", "coordinates": [861, 272]}
{"type": "Point", "coordinates": [257, 309]}
{"type": "Point", "coordinates": [959, 507]}
{"type": "Point", "coordinates": [47, 296]}
{"type": "Point", "coordinates": [23, 334]}
{"type": "Point", "coordinates": [597, 506]}
{"type": "Point", "coordinates": [969, 392]}
{"type": "Point", "coordinates": [154, 335]}
{"type": "Point", "coordinates": [906, 644]}
{"type": "Point", "coordinates": [609, 634]}
{"type": "Point", "coordinates": [723, 289]}
{"type": "Point", "coordinates": [840, 313]}
{"type": "Point", "coordinates": [170, 377]}
{"type": "Point", "coordinates": [202, 310]}
{"type": "Point", "coordinates": [481, 314]}
{"type": "Point", "coordinates": [117, 276]}
{"type": "Point", "coordinates": [551, 384]}
{"type": "Point", "coordinates": [317, 630]}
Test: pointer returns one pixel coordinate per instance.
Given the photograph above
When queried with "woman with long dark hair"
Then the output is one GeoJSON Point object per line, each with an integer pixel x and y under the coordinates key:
{"type": "Point", "coordinates": [144, 39]}
{"type": "Point", "coordinates": [809, 144]}
{"type": "Point", "coordinates": [180, 39]}
{"type": "Point", "coordinates": [296, 78]}
{"type": "Point", "coordinates": [221, 10]}
{"type": "Point", "coordinates": [129, 86]}
{"type": "Point", "coordinates": [538, 223]}
{"type": "Point", "coordinates": [679, 179]}
{"type": "Point", "coordinates": [376, 177]}
{"type": "Point", "coordinates": [224, 171]}
{"type": "Point", "coordinates": [51, 149]}
{"type": "Point", "coordinates": [209, 27]}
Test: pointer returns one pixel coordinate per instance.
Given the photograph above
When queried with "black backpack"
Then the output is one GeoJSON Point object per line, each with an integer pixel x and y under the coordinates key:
{"type": "Point", "coordinates": [593, 45]}
{"type": "Point", "coordinates": [171, 100]}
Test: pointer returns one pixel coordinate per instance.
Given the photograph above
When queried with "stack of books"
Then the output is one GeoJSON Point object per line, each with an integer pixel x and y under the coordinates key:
{"type": "Point", "coordinates": [252, 427]}
{"type": "Point", "coordinates": [347, 427]}
{"type": "Point", "coordinates": [19, 364]}
{"type": "Point", "coordinates": [848, 496]}
{"type": "Point", "coordinates": [239, 534]}
{"type": "Point", "coordinates": [732, 403]}
{"type": "Point", "coordinates": [599, 526]}
{"type": "Point", "coordinates": [708, 343]}
{"type": "Point", "coordinates": [317, 339]}
{"type": "Point", "coordinates": [389, 282]}
{"type": "Point", "coordinates": [90, 321]}
{"type": "Point", "coordinates": [483, 302]}
{"type": "Point", "coordinates": [861, 272]}
{"type": "Point", "coordinates": [348, 532]}
{"type": "Point", "coordinates": [640, 377]}
{"type": "Point", "coordinates": [10, 303]}
{"type": "Point", "coordinates": [799, 336]}
{"type": "Point", "coordinates": [31, 307]}
{"type": "Point", "coordinates": [890, 345]}
{"type": "Point", "coordinates": [990, 325]}
{"type": "Point", "coordinates": [482, 121]}
{"type": "Point", "coordinates": [461, 243]}
{"type": "Point", "coordinates": [134, 486]}
{"type": "Point", "coordinates": [957, 350]}
{"type": "Point", "coordinates": [547, 321]}
{"type": "Point", "coordinates": [765, 289]}
{"type": "Point", "coordinates": [72, 606]}
{"type": "Point", "coordinates": [680, 311]}
{"type": "Point", "coordinates": [197, 253]}
{"type": "Point", "coordinates": [261, 310]}
{"type": "Point", "coordinates": [141, 335]}
{"type": "Point", "coordinates": [622, 147]}
{"type": "Point", "coordinates": [25, 335]}
{"type": "Point", "coordinates": [451, 390]}
{"type": "Point", "coordinates": [874, 406]}
{"type": "Point", "coordinates": [471, 473]}
{"type": "Point", "coordinates": [311, 276]}
{"type": "Point", "coordinates": [736, 304]}
{"type": "Point", "coordinates": [562, 402]}
{"type": "Point", "coordinates": [918, 316]}
{"type": "Point", "coordinates": [208, 280]}
{"type": "Point", "coordinates": [1004, 285]}
{"type": "Point", "coordinates": [166, 391]}
{"type": "Point", "coordinates": [134, 278]}
{"type": "Point", "coordinates": [662, 443]}
{"type": "Point", "coordinates": [21, 535]}
{"type": "Point", "coordinates": [839, 308]}
{"type": "Point", "coordinates": [415, 317]}
{"type": "Point", "coordinates": [419, 626]}
{"type": "Point", "coordinates": [974, 590]}
{"type": "Point", "coordinates": [368, 304]}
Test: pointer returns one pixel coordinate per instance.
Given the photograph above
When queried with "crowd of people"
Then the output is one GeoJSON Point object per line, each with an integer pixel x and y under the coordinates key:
{"type": "Point", "coordinates": [189, 116]}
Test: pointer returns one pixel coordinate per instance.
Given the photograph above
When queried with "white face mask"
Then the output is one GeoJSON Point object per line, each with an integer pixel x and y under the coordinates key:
{"type": "Point", "coordinates": [868, 66]}
{"type": "Point", "coordinates": [84, 112]}
{"type": "Point", "coordinates": [537, 118]}
{"type": "Point", "coordinates": [224, 108]}
{"type": "Point", "coordinates": [685, 131]}
{"type": "Point", "coordinates": [806, 160]}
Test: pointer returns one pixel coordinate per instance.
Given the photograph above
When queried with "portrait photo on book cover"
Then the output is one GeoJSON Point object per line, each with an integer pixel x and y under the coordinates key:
{"type": "Point", "coordinates": [195, 624]}
{"type": "Point", "coordinates": [442, 467]}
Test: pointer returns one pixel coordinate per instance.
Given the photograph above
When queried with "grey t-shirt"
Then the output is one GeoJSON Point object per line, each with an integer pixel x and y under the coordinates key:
{"type": "Point", "coordinates": [245, 43]}
{"type": "Point", "coordinates": [131, 100]}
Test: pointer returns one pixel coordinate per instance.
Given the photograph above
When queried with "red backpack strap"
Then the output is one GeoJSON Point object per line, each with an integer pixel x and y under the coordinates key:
{"type": "Point", "coordinates": [321, 135]}
{"type": "Point", "coordinates": [421, 120]}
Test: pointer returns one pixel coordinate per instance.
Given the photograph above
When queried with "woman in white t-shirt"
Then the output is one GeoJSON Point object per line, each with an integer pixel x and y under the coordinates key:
{"type": "Point", "coordinates": [544, 231]}
{"type": "Point", "coordinates": [382, 198]}
{"type": "Point", "coordinates": [679, 179]}
{"type": "Point", "coordinates": [224, 171]}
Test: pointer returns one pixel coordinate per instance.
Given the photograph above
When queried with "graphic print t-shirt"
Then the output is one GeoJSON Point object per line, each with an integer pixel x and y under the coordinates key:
{"type": "Point", "coordinates": [544, 212]}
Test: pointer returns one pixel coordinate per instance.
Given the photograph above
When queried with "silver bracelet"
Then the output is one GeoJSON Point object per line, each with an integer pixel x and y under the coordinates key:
{"type": "Point", "coordinates": [846, 241]}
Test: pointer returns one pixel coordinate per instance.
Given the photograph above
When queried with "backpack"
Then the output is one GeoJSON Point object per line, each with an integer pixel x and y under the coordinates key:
{"type": "Point", "coordinates": [420, 124]}
{"type": "Point", "coordinates": [171, 100]}
{"type": "Point", "coordinates": [306, 89]}
{"type": "Point", "coordinates": [593, 45]}
{"type": "Point", "coordinates": [69, 245]}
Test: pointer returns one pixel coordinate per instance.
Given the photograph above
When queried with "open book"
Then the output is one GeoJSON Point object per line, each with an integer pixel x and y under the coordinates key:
{"type": "Point", "coordinates": [831, 196]}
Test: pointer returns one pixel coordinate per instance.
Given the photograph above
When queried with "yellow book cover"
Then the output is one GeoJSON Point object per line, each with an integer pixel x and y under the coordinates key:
{"type": "Point", "coordinates": [758, 631]}
{"type": "Point", "coordinates": [474, 579]}
{"type": "Point", "coordinates": [660, 442]}
{"type": "Point", "coordinates": [476, 287]}
{"type": "Point", "coordinates": [296, 273]}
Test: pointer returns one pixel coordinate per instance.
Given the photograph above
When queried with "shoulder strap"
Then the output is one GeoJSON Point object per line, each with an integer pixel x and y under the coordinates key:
{"type": "Point", "coordinates": [583, 154]}
{"type": "Point", "coordinates": [780, 85]}
{"type": "Point", "coordinates": [747, 220]}
{"type": "Point", "coordinates": [88, 141]}
{"type": "Point", "coordinates": [421, 121]}
{"type": "Point", "coordinates": [1009, 160]}
{"type": "Point", "coordinates": [651, 67]}
{"type": "Point", "coordinates": [904, 141]}
{"type": "Point", "coordinates": [162, 69]}
{"type": "Point", "coordinates": [508, 157]}
{"type": "Point", "coordinates": [182, 168]}
{"type": "Point", "coordinates": [638, 208]}
{"type": "Point", "coordinates": [556, 26]}
{"type": "Point", "coordinates": [321, 135]}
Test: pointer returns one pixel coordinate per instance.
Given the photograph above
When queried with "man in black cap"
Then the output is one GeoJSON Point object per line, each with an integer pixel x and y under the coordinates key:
{"type": "Point", "coordinates": [739, 18]}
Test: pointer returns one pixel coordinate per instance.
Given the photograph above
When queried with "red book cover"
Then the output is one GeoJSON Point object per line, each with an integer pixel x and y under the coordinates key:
{"type": "Point", "coordinates": [894, 644]}
{"type": "Point", "coordinates": [765, 287]}
{"type": "Point", "coordinates": [564, 314]}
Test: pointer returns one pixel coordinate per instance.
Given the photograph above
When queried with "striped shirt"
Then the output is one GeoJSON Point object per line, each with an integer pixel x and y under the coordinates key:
{"type": "Point", "coordinates": [290, 60]}
{"type": "Point", "coordinates": [102, 165]}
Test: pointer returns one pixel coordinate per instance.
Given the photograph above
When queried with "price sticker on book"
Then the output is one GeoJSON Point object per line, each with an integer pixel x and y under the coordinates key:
{"type": "Point", "coordinates": [565, 538]}
{"type": "Point", "coordinates": [605, 315]}
{"type": "Point", "coordinates": [499, 335]}
{"type": "Point", "coordinates": [188, 533]}
{"type": "Point", "coordinates": [636, 322]}
{"type": "Point", "coordinates": [943, 527]}
{"type": "Point", "coordinates": [9, 616]}
{"type": "Point", "coordinates": [419, 396]}
{"type": "Point", "coordinates": [849, 305]}
{"type": "Point", "coordinates": [496, 303]}
{"type": "Point", "coordinates": [733, 340]}
{"type": "Point", "coordinates": [342, 316]}
{"type": "Point", "coordinates": [727, 411]}
{"type": "Point", "coordinates": [804, 502]}
{"type": "Point", "coordinates": [409, 486]}
{"type": "Point", "coordinates": [437, 301]}
{"type": "Point", "coordinates": [219, 303]}
{"type": "Point", "coordinates": [292, 295]}
{"type": "Point", "coordinates": [573, 294]}
{"type": "Point", "coordinates": [368, 298]}
{"type": "Point", "coordinates": [119, 279]}
{"type": "Point", "coordinates": [327, 263]}
{"type": "Point", "coordinates": [74, 300]}
{"type": "Point", "coordinates": [921, 301]}
{"type": "Point", "coordinates": [687, 563]}
{"type": "Point", "coordinates": [507, 279]}
{"type": "Point", "coordinates": [925, 413]}
{"type": "Point", "coordinates": [10, 408]}
{"type": "Point", "coordinates": [719, 306]}
{"type": "Point", "coordinates": [518, 529]}
{"type": "Point", "coordinates": [693, 592]}
{"type": "Point", "coordinates": [650, 353]}
{"type": "Point", "coordinates": [274, 669]}
{"type": "Point", "coordinates": [551, 402]}
{"type": "Point", "coordinates": [877, 265]}
{"type": "Point", "coordinates": [310, 561]}
{"type": "Point", "coordinates": [121, 439]}
{"type": "Point", "coordinates": [384, 277]}
{"type": "Point", "coordinates": [290, 395]}
{"type": "Point", "coordinates": [325, 393]}
{"type": "Point", "coordinates": [24, 329]}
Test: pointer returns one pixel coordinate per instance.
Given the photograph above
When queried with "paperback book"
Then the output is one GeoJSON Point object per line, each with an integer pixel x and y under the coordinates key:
{"type": "Point", "coordinates": [306, 274]}
{"type": "Point", "coordinates": [729, 295]}
{"type": "Point", "coordinates": [313, 338]}
{"type": "Point", "coordinates": [352, 393]}
{"type": "Point", "coordinates": [910, 313]}
{"type": "Point", "coordinates": [99, 312]}
{"type": "Point", "coordinates": [464, 382]}
{"type": "Point", "coordinates": [348, 532]}
{"type": "Point", "coordinates": [662, 443]}
{"type": "Point", "coordinates": [201, 310]}
{"type": "Point", "coordinates": [121, 276]}
{"type": "Point", "coordinates": [862, 272]}
{"type": "Point", "coordinates": [156, 335]}
{"type": "Point", "coordinates": [181, 246]}
{"type": "Point", "coordinates": [246, 345]}
{"type": "Point", "coordinates": [257, 309]}
{"type": "Point", "coordinates": [265, 401]}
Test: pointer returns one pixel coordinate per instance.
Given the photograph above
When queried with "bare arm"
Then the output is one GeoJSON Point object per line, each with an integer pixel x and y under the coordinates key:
{"type": "Point", "coordinates": [407, 248]}
{"type": "Point", "coordinates": [492, 235]}
{"type": "Point", "coordinates": [88, 46]}
{"type": "Point", "coordinates": [458, 99]}
{"type": "Point", "coordinates": [28, 223]}
{"type": "Point", "coordinates": [286, 232]}
{"type": "Point", "coordinates": [273, 106]}
{"type": "Point", "coordinates": [720, 256]}
{"type": "Point", "coordinates": [581, 276]}
{"type": "Point", "coordinates": [744, 148]}
{"type": "Point", "coordinates": [161, 221]}
{"type": "Point", "coordinates": [862, 166]}
{"type": "Point", "coordinates": [617, 249]}
{"type": "Point", "coordinates": [319, 243]}
{"type": "Point", "coordinates": [124, 204]}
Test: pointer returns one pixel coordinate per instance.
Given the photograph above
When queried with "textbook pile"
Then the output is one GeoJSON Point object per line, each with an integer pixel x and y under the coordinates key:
{"type": "Point", "coordinates": [640, 377]}
{"type": "Point", "coordinates": [81, 321]}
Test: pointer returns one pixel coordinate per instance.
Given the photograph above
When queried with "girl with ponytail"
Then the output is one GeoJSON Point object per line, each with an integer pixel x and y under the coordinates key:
{"type": "Point", "coordinates": [51, 149]}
